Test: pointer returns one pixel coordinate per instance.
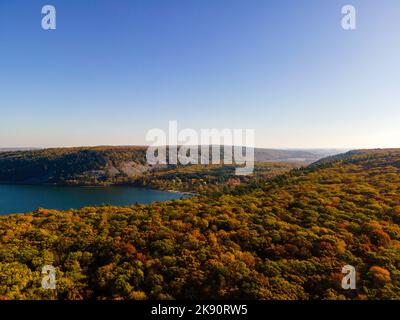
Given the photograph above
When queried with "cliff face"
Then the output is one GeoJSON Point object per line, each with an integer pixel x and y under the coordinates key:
{"type": "Point", "coordinates": [73, 165]}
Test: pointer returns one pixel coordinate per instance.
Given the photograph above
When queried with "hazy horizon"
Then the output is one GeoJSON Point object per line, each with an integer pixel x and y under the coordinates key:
{"type": "Point", "coordinates": [134, 145]}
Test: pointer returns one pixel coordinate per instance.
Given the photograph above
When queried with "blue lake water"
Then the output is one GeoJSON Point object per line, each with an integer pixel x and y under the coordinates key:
{"type": "Point", "coordinates": [25, 198]}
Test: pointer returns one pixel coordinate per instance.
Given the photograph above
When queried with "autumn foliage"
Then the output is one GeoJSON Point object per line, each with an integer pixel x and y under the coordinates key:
{"type": "Point", "coordinates": [285, 237]}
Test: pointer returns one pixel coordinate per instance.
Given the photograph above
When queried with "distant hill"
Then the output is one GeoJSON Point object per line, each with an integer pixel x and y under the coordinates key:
{"type": "Point", "coordinates": [16, 149]}
{"type": "Point", "coordinates": [104, 164]}
{"type": "Point", "coordinates": [293, 155]}
{"type": "Point", "coordinates": [361, 155]}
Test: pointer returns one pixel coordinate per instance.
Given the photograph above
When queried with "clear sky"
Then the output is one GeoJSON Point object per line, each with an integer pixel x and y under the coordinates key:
{"type": "Point", "coordinates": [115, 69]}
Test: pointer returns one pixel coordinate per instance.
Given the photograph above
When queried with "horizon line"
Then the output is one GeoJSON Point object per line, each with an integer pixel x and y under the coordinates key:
{"type": "Point", "coordinates": [141, 145]}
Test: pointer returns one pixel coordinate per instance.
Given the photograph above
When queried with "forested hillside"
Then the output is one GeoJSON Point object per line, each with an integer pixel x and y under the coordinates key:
{"type": "Point", "coordinates": [117, 165]}
{"type": "Point", "coordinates": [206, 179]}
{"type": "Point", "coordinates": [126, 165]}
{"type": "Point", "coordinates": [91, 166]}
{"type": "Point", "coordinates": [285, 238]}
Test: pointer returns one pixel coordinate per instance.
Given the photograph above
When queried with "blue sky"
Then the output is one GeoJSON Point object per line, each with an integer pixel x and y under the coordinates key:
{"type": "Point", "coordinates": [115, 69]}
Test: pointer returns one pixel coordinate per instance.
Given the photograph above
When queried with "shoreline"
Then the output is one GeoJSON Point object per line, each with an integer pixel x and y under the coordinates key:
{"type": "Point", "coordinates": [95, 186]}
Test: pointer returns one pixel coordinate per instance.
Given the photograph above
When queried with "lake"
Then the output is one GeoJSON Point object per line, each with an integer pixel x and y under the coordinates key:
{"type": "Point", "coordinates": [25, 198]}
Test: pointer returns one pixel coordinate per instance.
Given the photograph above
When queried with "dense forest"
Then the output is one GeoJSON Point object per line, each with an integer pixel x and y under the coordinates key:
{"type": "Point", "coordinates": [282, 237]}
{"type": "Point", "coordinates": [209, 179]}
